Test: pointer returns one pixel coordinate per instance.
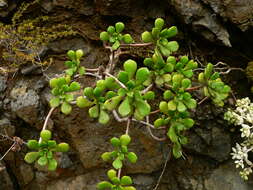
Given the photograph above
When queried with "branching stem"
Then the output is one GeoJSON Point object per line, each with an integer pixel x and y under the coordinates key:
{"type": "Point", "coordinates": [164, 168]}
{"type": "Point", "coordinates": [120, 83]}
{"type": "Point", "coordinates": [8, 151]}
{"type": "Point", "coordinates": [147, 89]}
{"type": "Point", "coordinates": [46, 121]}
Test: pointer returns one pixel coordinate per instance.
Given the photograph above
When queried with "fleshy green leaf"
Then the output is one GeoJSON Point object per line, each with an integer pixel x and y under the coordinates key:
{"type": "Point", "coordinates": [177, 151]}
{"type": "Point", "coordinates": [172, 46]}
{"type": "Point", "coordinates": [33, 144]}
{"type": "Point", "coordinates": [132, 157]}
{"type": "Point", "coordinates": [106, 156]}
{"type": "Point", "coordinates": [125, 140]}
{"type": "Point", "coordinates": [116, 45]}
{"type": "Point", "coordinates": [45, 135]}
{"type": "Point", "coordinates": [42, 161]}
{"type": "Point", "coordinates": [142, 74]}
{"type": "Point", "coordinates": [31, 157]}
{"type": "Point", "coordinates": [143, 107]}
{"type": "Point", "coordinates": [126, 180]}
{"type": "Point", "coordinates": [130, 67]}
{"type": "Point", "coordinates": [111, 174]}
{"type": "Point", "coordinates": [104, 185]}
{"type": "Point", "coordinates": [94, 112]}
{"type": "Point", "coordinates": [103, 117]}
{"type": "Point", "coordinates": [117, 164]}
{"type": "Point", "coordinates": [52, 165]}
{"type": "Point", "coordinates": [82, 102]}
{"type": "Point", "coordinates": [62, 147]}
{"type": "Point", "coordinates": [124, 108]}
{"type": "Point", "coordinates": [66, 108]}
{"type": "Point", "coordinates": [54, 102]}
{"type": "Point", "coordinates": [172, 134]}
{"type": "Point", "coordinates": [172, 105]}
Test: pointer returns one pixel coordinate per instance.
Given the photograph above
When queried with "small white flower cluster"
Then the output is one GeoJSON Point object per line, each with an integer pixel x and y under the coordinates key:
{"type": "Point", "coordinates": [242, 116]}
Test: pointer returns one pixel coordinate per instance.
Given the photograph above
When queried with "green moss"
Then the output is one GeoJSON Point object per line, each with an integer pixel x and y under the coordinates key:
{"type": "Point", "coordinates": [23, 38]}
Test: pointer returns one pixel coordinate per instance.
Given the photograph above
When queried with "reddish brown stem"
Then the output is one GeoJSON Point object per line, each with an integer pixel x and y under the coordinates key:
{"type": "Point", "coordinates": [204, 99]}
{"type": "Point", "coordinates": [194, 88]}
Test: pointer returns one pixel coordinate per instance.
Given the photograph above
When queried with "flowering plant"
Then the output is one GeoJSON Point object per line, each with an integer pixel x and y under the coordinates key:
{"type": "Point", "coordinates": [242, 116]}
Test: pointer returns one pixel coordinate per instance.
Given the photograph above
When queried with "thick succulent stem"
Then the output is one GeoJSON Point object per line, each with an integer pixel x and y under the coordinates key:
{"type": "Point", "coordinates": [147, 89]}
{"type": "Point", "coordinates": [46, 121]}
{"type": "Point", "coordinates": [8, 151]}
{"type": "Point", "coordinates": [204, 99]}
{"type": "Point", "coordinates": [136, 45]}
{"type": "Point", "coordinates": [120, 83]}
{"type": "Point", "coordinates": [194, 88]}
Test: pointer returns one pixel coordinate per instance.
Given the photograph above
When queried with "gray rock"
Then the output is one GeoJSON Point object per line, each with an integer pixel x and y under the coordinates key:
{"type": "Point", "coordinates": [63, 45]}
{"type": "Point", "coordinates": [5, 180]}
{"type": "Point", "coordinates": [83, 8]}
{"type": "Point", "coordinates": [3, 3]}
{"type": "Point", "coordinates": [3, 83]}
{"type": "Point", "coordinates": [90, 139]}
{"type": "Point", "coordinates": [82, 182]}
{"type": "Point", "coordinates": [7, 7]}
{"type": "Point", "coordinates": [143, 182]}
{"type": "Point", "coordinates": [27, 173]}
{"type": "Point", "coordinates": [226, 177]}
{"type": "Point", "coordinates": [25, 102]}
{"type": "Point", "coordinates": [6, 126]}
{"type": "Point", "coordinates": [215, 143]}
{"type": "Point", "coordinates": [202, 20]}
{"type": "Point", "coordinates": [31, 70]}
{"type": "Point", "coordinates": [238, 12]}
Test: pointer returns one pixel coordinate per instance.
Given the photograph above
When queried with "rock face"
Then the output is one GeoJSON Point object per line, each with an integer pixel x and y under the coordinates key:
{"type": "Point", "coordinates": [5, 180]}
{"type": "Point", "coordinates": [225, 178]}
{"type": "Point", "coordinates": [25, 102]}
{"type": "Point", "coordinates": [202, 20]}
{"type": "Point", "coordinates": [237, 12]}
{"type": "Point", "coordinates": [24, 99]}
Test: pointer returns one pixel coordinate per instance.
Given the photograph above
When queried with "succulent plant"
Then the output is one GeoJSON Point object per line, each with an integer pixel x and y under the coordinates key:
{"type": "Point", "coordinates": [118, 156]}
{"type": "Point", "coordinates": [163, 72]}
{"type": "Point", "coordinates": [74, 63]}
{"type": "Point", "coordinates": [128, 94]}
{"type": "Point", "coordinates": [159, 36]}
{"type": "Point", "coordinates": [213, 85]}
{"type": "Point", "coordinates": [113, 36]}
{"type": "Point", "coordinates": [123, 183]}
{"type": "Point", "coordinates": [120, 153]}
{"type": "Point", "coordinates": [95, 99]}
{"type": "Point", "coordinates": [130, 100]}
{"type": "Point", "coordinates": [44, 150]}
{"type": "Point", "coordinates": [62, 89]}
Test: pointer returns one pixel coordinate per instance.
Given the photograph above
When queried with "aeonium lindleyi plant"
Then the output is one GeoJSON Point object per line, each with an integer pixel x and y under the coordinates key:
{"type": "Point", "coordinates": [95, 99]}
{"type": "Point", "coordinates": [125, 94]}
{"type": "Point", "coordinates": [44, 150]}
{"type": "Point", "coordinates": [114, 36]}
{"type": "Point", "coordinates": [130, 99]}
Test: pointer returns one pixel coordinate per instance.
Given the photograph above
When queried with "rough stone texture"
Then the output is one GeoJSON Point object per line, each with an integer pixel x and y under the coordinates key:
{"type": "Point", "coordinates": [202, 20]}
{"type": "Point", "coordinates": [90, 139]}
{"type": "Point", "coordinates": [25, 101]}
{"type": "Point", "coordinates": [3, 84]}
{"type": "Point", "coordinates": [85, 182]}
{"type": "Point", "coordinates": [28, 174]}
{"type": "Point", "coordinates": [225, 177]}
{"type": "Point", "coordinates": [6, 7]}
{"type": "Point", "coordinates": [237, 11]}
{"type": "Point", "coordinates": [6, 126]}
{"type": "Point", "coordinates": [5, 180]}
{"type": "Point", "coordinates": [205, 166]}
{"type": "Point", "coordinates": [215, 143]}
